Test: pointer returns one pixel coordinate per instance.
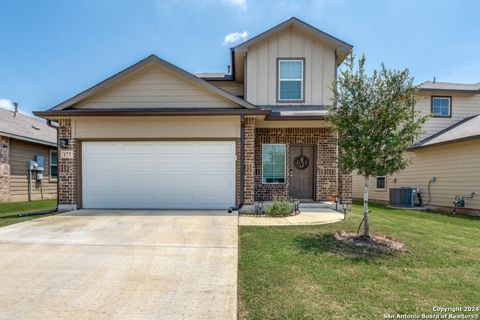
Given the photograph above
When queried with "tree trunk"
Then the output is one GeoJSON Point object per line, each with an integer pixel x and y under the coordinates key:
{"type": "Point", "coordinates": [365, 209]}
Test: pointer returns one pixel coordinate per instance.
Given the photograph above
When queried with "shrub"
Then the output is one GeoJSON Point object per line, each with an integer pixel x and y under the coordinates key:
{"type": "Point", "coordinates": [280, 207]}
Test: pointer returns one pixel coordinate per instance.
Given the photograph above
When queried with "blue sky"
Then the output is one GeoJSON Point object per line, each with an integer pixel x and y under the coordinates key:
{"type": "Point", "coordinates": [52, 50]}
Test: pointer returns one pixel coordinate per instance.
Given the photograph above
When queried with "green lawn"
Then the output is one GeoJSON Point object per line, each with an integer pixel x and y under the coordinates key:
{"type": "Point", "coordinates": [305, 273]}
{"type": "Point", "coordinates": [10, 210]}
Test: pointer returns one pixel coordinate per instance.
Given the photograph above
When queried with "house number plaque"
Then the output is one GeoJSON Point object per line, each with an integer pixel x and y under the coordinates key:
{"type": "Point", "coordinates": [66, 154]}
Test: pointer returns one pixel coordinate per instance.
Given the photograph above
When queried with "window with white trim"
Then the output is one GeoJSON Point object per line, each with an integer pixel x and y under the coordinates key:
{"type": "Point", "coordinates": [381, 183]}
{"type": "Point", "coordinates": [441, 106]}
{"type": "Point", "coordinates": [290, 79]}
{"type": "Point", "coordinates": [53, 165]}
{"type": "Point", "coordinates": [273, 163]}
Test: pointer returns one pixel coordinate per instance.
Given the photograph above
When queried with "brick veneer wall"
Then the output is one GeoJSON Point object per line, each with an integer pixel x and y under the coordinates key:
{"type": "Point", "coordinates": [249, 161]}
{"type": "Point", "coordinates": [325, 171]}
{"type": "Point", "coordinates": [345, 187]}
{"type": "Point", "coordinates": [67, 170]}
{"type": "Point", "coordinates": [4, 169]}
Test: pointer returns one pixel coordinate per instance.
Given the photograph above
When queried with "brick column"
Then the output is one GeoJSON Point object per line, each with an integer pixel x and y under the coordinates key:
{"type": "Point", "coordinates": [345, 187]}
{"type": "Point", "coordinates": [4, 169]}
{"type": "Point", "coordinates": [249, 161]}
{"type": "Point", "coordinates": [67, 171]}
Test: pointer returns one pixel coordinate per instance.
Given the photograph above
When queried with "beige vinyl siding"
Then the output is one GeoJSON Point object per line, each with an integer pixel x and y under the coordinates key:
{"type": "Point", "coordinates": [463, 106]}
{"type": "Point", "coordinates": [456, 167]}
{"type": "Point", "coordinates": [156, 127]}
{"type": "Point", "coordinates": [157, 87]}
{"type": "Point", "coordinates": [235, 88]}
{"type": "Point", "coordinates": [20, 153]}
{"type": "Point", "coordinates": [261, 67]}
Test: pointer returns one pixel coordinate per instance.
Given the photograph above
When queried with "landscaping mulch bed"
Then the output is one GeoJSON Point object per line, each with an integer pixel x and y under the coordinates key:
{"type": "Point", "coordinates": [264, 215]}
{"type": "Point", "coordinates": [376, 241]}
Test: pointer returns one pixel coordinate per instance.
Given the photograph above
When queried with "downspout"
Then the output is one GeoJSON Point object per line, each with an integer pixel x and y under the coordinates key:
{"type": "Point", "coordinates": [242, 165]}
{"type": "Point", "coordinates": [336, 145]}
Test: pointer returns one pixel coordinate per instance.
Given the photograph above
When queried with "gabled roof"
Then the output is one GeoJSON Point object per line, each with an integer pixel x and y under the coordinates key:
{"type": "Point", "coordinates": [138, 67]}
{"type": "Point", "coordinates": [26, 128]}
{"type": "Point", "coordinates": [343, 48]}
{"type": "Point", "coordinates": [466, 129]}
{"type": "Point", "coordinates": [449, 86]}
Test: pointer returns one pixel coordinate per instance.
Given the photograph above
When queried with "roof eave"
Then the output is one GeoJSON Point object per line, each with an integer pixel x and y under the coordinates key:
{"type": "Point", "coordinates": [23, 138]}
{"type": "Point", "coordinates": [426, 90]}
{"type": "Point", "coordinates": [463, 139]}
{"type": "Point", "coordinates": [343, 47]}
{"type": "Point", "coordinates": [52, 114]}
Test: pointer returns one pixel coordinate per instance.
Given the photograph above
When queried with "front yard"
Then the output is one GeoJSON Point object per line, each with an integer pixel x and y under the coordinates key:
{"type": "Point", "coordinates": [306, 273]}
{"type": "Point", "coordinates": [9, 210]}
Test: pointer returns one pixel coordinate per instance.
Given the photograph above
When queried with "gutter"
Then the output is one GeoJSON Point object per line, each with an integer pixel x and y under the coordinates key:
{"type": "Point", "coordinates": [153, 112]}
{"type": "Point", "coordinates": [19, 137]}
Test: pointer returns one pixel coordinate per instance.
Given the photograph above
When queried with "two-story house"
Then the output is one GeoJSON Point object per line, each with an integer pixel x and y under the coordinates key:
{"type": "Point", "coordinates": [446, 158]}
{"type": "Point", "coordinates": [157, 136]}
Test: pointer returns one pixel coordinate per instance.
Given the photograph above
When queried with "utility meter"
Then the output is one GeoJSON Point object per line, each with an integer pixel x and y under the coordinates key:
{"type": "Point", "coordinates": [40, 163]}
{"type": "Point", "coordinates": [39, 176]}
{"type": "Point", "coordinates": [32, 165]}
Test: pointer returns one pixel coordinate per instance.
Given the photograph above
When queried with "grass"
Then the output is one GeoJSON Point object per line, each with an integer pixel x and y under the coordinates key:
{"type": "Point", "coordinates": [306, 273]}
{"type": "Point", "coordinates": [9, 210]}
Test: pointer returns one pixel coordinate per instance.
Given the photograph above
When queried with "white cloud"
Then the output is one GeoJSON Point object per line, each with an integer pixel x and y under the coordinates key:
{"type": "Point", "coordinates": [235, 37]}
{"type": "Point", "coordinates": [241, 4]}
{"type": "Point", "coordinates": [8, 104]}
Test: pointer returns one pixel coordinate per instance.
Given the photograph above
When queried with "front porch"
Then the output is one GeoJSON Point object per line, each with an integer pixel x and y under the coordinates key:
{"type": "Point", "coordinates": [298, 163]}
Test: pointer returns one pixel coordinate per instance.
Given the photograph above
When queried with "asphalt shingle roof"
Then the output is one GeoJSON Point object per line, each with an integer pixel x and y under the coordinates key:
{"type": "Point", "coordinates": [450, 86]}
{"type": "Point", "coordinates": [467, 128]}
{"type": "Point", "coordinates": [26, 128]}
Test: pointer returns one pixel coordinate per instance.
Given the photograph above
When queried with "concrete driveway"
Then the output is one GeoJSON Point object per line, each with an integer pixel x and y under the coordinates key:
{"type": "Point", "coordinates": [120, 264]}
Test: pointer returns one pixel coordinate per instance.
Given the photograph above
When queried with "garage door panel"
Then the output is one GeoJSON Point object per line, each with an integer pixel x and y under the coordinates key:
{"type": "Point", "coordinates": [175, 149]}
{"type": "Point", "coordinates": [139, 165]}
{"type": "Point", "coordinates": [177, 165]}
{"type": "Point", "coordinates": [215, 166]}
{"type": "Point", "coordinates": [157, 174]}
{"type": "Point", "coordinates": [101, 182]}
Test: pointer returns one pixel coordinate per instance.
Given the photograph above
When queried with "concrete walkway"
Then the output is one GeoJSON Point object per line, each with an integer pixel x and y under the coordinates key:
{"type": "Point", "coordinates": [104, 264]}
{"type": "Point", "coordinates": [307, 217]}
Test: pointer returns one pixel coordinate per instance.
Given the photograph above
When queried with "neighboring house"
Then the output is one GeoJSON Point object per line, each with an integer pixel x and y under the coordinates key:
{"type": "Point", "coordinates": [21, 139]}
{"type": "Point", "coordinates": [446, 158]}
{"type": "Point", "coordinates": [156, 136]}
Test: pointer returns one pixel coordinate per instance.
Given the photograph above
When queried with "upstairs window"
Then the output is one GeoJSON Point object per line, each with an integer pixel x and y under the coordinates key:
{"type": "Point", "coordinates": [442, 106]}
{"type": "Point", "coordinates": [290, 79]}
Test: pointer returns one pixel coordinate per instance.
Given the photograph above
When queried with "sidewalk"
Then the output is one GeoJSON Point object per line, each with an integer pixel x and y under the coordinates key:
{"type": "Point", "coordinates": [307, 217]}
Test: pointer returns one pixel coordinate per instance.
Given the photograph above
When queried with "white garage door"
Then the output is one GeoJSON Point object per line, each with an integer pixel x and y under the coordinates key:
{"type": "Point", "coordinates": [154, 174]}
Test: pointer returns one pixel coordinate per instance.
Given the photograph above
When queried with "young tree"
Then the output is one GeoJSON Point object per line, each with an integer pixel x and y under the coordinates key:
{"type": "Point", "coordinates": [375, 120]}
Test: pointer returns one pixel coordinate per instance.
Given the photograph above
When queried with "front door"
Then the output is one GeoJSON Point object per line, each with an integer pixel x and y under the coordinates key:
{"type": "Point", "coordinates": [301, 163]}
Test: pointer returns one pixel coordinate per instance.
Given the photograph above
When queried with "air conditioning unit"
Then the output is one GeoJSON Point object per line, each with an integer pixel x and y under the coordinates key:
{"type": "Point", "coordinates": [403, 197]}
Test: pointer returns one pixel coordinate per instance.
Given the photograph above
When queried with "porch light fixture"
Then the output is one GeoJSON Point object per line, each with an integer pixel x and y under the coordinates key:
{"type": "Point", "coordinates": [63, 143]}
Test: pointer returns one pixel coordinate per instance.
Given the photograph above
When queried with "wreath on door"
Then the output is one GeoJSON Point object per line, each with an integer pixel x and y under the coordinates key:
{"type": "Point", "coordinates": [301, 161]}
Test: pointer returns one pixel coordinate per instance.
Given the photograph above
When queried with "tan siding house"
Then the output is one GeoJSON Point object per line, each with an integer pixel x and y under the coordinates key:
{"type": "Point", "coordinates": [446, 159]}
{"type": "Point", "coordinates": [157, 136]}
{"type": "Point", "coordinates": [22, 139]}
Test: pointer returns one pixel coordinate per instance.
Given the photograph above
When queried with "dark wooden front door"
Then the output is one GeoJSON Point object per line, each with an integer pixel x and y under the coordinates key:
{"type": "Point", "coordinates": [301, 163]}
